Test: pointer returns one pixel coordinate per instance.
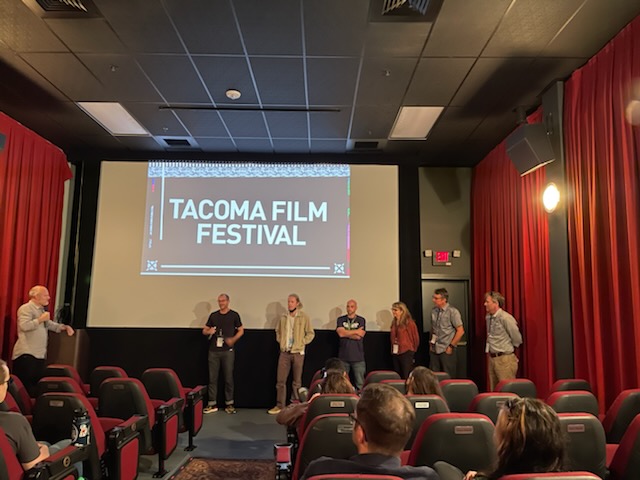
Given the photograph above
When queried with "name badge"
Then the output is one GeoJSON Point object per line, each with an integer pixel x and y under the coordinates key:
{"type": "Point", "coordinates": [219, 342]}
{"type": "Point", "coordinates": [395, 349]}
{"type": "Point", "coordinates": [434, 339]}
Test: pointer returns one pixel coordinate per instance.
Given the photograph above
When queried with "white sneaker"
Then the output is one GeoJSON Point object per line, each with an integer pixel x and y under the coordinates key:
{"type": "Point", "coordinates": [210, 409]}
{"type": "Point", "coordinates": [274, 411]}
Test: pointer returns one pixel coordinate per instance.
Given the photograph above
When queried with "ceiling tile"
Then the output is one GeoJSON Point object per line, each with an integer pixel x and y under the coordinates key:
{"type": "Point", "coordinates": [376, 87]}
{"type": "Point", "coordinates": [373, 122]}
{"type": "Point", "coordinates": [258, 145]}
{"type": "Point", "coordinates": [288, 124]}
{"type": "Point", "coordinates": [396, 39]}
{"type": "Point", "coordinates": [202, 123]}
{"type": "Point", "coordinates": [452, 127]}
{"type": "Point", "coordinates": [221, 34]}
{"type": "Point", "coordinates": [22, 31]}
{"type": "Point", "coordinates": [270, 28]}
{"type": "Point", "coordinates": [142, 25]}
{"type": "Point", "coordinates": [280, 80]}
{"type": "Point", "coordinates": [329, 146]}
{"type": "Point", "coordinates": [289, 145]}
{"type": "Point", "coordinates": [245, 124]}
{"type": "Point", "coordinates": [332, 81]}
{"type": "Point", "coordinates": [330, 124]}
{"type": "Point", "coordinates": [216, 144]}
{"type": "Point", "coordinates": [156, 121]}
{"type": "Point", "coordinates": [175, 78]}
{"type": "Point", "coordinates": [436, 80]}
{"type": "Point", "coordinates": [463, 28]}
{"type": "Point", "coordinates": [140, 143]}
{"type": "Point", "coordinates": [73, 32]}
{"type": "Point", "coordinates": [221, 73]}
{"type": "Point", "coordinates": [346, 20]}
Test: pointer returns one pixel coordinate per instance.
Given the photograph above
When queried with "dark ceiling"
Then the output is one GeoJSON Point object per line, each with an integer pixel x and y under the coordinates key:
{"type": "Point", "coordinates": [478, 58]}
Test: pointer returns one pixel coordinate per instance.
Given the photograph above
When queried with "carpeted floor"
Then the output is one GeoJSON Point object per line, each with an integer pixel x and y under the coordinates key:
{"type": "Point", "coordinates": [213, 469]}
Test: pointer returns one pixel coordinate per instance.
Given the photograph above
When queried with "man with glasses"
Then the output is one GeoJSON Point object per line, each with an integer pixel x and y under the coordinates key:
{"type": "Point", "coordinates": [446, 332]}
{"type": "Point", "coordinates": [382, 425]}
{"type": "Point", "coordinates": [503, 337]}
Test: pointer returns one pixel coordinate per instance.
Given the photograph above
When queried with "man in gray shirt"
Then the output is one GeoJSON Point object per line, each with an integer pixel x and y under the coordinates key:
{"type": "Point", "coordinates": [34, 324]}
{"type": "Point", "coordinates": [503, 337]}
{"type": "Point", "coordinates": [446, 332]}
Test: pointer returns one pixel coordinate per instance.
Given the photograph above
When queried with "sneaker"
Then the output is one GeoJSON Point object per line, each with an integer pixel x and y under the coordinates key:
{"type": "Point", "coordinates": [210, 409]}
{"type": "Point", "coordinates": [274, 411]}
{"type": "Point", "coordinates": [230, 409]}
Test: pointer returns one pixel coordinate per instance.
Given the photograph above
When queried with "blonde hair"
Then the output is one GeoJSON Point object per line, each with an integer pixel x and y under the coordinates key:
{"type": "Point", "coordinates": [295, 295]}
{"type": "Point", "coordinates": [405, 318]}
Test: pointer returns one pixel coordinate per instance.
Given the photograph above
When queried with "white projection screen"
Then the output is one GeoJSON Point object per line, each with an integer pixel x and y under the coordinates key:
{"type": "Point", "coordinates": [171, 236]}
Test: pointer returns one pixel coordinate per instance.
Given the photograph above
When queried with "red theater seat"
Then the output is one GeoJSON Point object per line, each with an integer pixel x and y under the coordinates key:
{"type": "Point", "coordinates": [459, 394]}
{"type": "Point", "coordinates": [100, 374]}
{"type": "Point", "coordinates": [520, 386]}
{"type": "Point", "coordinates": [21, 395]}
{"type": "Point", "coordinates": [398, 384]}
{"type": "Point", "coordinates": [570, 384]}
{"type": "Point", "coordinates": [626, 461]}
{"type": "Point", "coordinates": [379, 375]}
{"type": "Point", "coordinates": [586, 444]}
{"type": "Point", "coordinates": [552, 476]}
{"type": "Point", "coordinates": [424, 406]}
{"type": "Point", "coordinates": [620, 414]}
{"type": "Point", "coordinates": [574, 401]}
{"type": "Point", "coordinates": [490, 404]}
{"type": "Point", "coordinates": [61, 370]}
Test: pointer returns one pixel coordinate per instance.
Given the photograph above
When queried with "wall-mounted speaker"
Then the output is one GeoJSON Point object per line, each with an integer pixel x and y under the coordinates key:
{"type": "Point", "coordinates": [529, 147]}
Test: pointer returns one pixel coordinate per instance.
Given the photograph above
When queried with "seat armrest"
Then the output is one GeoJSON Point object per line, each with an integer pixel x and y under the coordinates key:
{"type": "Point", "coordinates": [123, 432]}
{"type": "Point", "coordinates": [283, 453]}
{"type": "Point", "coordinates": [59, 465]}
{"type": "Point", "coordinates": [194, 394]}
{"type": "Point", "coordinates": [168, 409]}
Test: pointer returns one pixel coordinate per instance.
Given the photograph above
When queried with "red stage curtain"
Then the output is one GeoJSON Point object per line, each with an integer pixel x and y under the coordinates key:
{"type": "Point", "coordinates": [603, 176]}
{"type": "Point", "coordinates": [32, 176]}
{"type": "Point", "coordinates": [511, 255]}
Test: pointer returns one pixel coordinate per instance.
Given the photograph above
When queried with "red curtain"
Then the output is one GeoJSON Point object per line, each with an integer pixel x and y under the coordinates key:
{"type": "Point", "coordinates": [511, 255]}
{"type": "Point", "coordinates": [603, 177]}
{"type": "Point", "coordinates": [32, 176]}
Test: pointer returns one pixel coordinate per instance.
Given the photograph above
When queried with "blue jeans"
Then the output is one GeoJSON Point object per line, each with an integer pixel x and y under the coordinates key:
{"type": "Point", "coordinates": [359, 368]}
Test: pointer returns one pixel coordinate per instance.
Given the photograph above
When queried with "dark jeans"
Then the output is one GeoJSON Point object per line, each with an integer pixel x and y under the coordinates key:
{"type": "Point", "coordinates": [359, 369]}
{"type": "Point", "coordinates": [441, 362]}
{"type": "Point", "coordinates": [403, 363]}
{"type": "Point", "coordinates": [226, 359]}
{"type": "Point", "coordinates": [285, 362]}
{"type": "Point", "coordinates": [29, 370]}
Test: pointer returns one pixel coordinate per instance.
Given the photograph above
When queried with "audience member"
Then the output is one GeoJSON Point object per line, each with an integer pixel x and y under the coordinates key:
{"type": "Point", "coordinates": [422, 381]}
{"type": "Point", "coordinates": [404, 339]}
{"type": "Point", "coordinates": [382, 426]}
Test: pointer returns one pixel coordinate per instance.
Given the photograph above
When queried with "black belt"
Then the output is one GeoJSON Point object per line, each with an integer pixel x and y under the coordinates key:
{"type": "Point", "coordinates": [499, 354]}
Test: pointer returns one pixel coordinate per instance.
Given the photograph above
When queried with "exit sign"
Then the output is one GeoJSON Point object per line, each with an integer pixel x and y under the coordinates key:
{"type": "Point", "coordinates": [441, 258]}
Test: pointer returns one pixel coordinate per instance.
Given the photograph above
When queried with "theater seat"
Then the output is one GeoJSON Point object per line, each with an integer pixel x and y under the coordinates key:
{"type": "Point", "coordinates": [626, 461]}
{"type": "Point", "coordinates": [552, 476]}
{"type": "Point", "coordinates": [164, 384]}
{"type": "Point", "coordinates": [459, 394]}
{"type": "Point", "coordinates": [353, 476]}
{"type": "Point", "coordinates": [378, 375]}
{"type": "Point", "coordinates": [520, 386]}
{"type": "Point", "coordinates": [442, 376]}
{"type": "Point", "coordinates": [326, 435]}
{"type": "Point", "coordinates": [127, 397]}
{"type": "Point", "coordinates": [424, 406]}
{"type": "Point", "coordinates": [21, 395]}
{"type": "Point", "coordinates": [100, 374]}
{"type": "Point", "coordinates": [490, 403]}
{"type": "Point", "coordinates": [620, 414]}
{"type": "Point", "coordinates": [9, 404]}
{"type": "Point", "coordinates": [59, 466]}
{"type": "Point", "coordinates": [464, 440]}
{"type": "Point", "coordinates": [586, 444]}
{"type": "Point", "coordinates": [574, 401]}
{"type": "Point", "coordinates": [62, 370]}
{"type": "Point", "coordinates": [325, 404]}
{"type": "Point", "coordinates": [113, 442]}
{"type": "Point", "coordinates": [570, 384]}
{"type": "Point", "coordinates": [398, 384]}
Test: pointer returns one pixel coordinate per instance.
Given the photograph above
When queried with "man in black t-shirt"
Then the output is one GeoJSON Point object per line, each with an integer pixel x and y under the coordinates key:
{"type": "Point", "coordinates": [223, 330]}
{"type": "Point", "coordinates": [351, 329]}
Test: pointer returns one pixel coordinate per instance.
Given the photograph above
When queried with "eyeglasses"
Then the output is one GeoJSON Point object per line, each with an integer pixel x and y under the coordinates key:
{"type": "Point", "coordinates": [355, 422]}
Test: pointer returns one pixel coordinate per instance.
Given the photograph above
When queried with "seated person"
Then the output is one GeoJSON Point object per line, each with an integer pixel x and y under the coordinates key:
{"type": "Point", "coordinates": [422, 381]}
{"type": "Point", "coordinates": [336, 381]}
{"type": "Point", "coordinates": [332, 363]}
{"type": "Point", "coordinates": [383, 424]}
{"type": "Point", "coordinates": [19, 434]}
{"type": "Point", "coordinates": [529, 439]}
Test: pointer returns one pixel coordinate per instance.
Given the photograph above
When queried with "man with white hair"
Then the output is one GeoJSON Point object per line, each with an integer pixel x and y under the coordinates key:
{"type": "Point", "coordinates": [30, 351]}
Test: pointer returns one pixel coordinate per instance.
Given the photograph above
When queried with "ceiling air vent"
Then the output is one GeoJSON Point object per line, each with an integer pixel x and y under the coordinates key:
{"type": "Point", "coordinates": [396, 6]}
{"type": "Point", "coordinates": [404, 10]}
{"type": "Point", "coordinates": [365, 145]}
{"type": "Point", "coordinates": [63, 8]}
{"type": "Point", "coordinates": [176, 142]}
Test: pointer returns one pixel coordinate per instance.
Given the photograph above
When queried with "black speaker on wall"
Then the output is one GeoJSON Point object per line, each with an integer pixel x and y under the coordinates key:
{"type": "Point", "coordinates": [529, 147]}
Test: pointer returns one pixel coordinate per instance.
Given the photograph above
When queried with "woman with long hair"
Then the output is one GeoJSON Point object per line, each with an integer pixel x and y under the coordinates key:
{"type": "Point", "coordinates": [422, 381]}
{"type": "Point", "coordinates": [404, 339]}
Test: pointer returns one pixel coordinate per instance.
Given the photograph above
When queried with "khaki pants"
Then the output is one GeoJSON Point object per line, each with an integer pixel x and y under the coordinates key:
{"type": "Point", "coordinates": [285, 362]}
{"type": "Point", "coordinates": [504, 367]}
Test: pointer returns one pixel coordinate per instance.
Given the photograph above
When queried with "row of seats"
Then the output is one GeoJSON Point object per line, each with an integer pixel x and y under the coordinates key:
{"type": "Point", "coordinates": [157, 409]}
{"type": "Point", "coordinates": [521, 476]}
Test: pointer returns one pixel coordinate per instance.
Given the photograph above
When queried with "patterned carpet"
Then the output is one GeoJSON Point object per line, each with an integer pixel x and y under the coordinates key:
{"type": "Point", "coordinates": [212, 469]}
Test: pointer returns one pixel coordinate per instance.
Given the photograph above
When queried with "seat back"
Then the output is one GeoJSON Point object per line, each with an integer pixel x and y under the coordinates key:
{"type": "Point", "coordinates": [327, 435]}
{"type": "Point", "coordinates": [520, 386]}
{"type": "Point", "coordinates": [378, 375]}
{"type": "Point", "coordinates": [20, 395]}
{"type": "Point", "coordinates": [586, 444]}
{"type": "Point", "coordinates": [574, 401]}
{"type": "Point", "coordinates": [442, 376]}
{"type": "Point", "coordinates": [162, 383]}
{"type": "Point", "coordinates": [459, 394]}
{"type": "Point", "coordinates": [465, 440]}
{"type": "Point", "coordinates": [62, 370]}
{"type": "Point", "coordinates": [353, 476]}
{"type": "Point", "coordinates": [58, 385]}
{"type": "Point", "coordinates": [125, 397]}
{"type": "Point", "coordinates": [424, 406]}
{"type": "Point", "coordinates": [317, 375]}
{"type": "Point", "coordinates": [9, 404]}
{"type": "Point", "coordinates": [552, 476]}
{"type": "Point", "coordinates": [398, 384]}
{"type": "Point", "coordinates": [620, 414]}
{"type": "Point", "coordinates": [570, 384]}
{"type": "Point", "coordinates": [100, 374]}
{"type": "Point", "coordinates": [490, 403]}
{"type": "Point", "coordinates": [326, 404]}
{"type": "Point", "coordinates": [53, 419]}
{"type": "Point", "coordinates": [625, 464]}
{"type": "Point", "coordinates": [10, 467]}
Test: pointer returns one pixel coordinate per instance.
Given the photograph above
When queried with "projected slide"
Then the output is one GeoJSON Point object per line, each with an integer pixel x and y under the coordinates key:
{"type": "Point", "coordinates": [247, 219]}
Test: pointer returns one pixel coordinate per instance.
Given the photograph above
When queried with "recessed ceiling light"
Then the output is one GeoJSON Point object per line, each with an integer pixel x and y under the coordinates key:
{"type": "Point", "coordinates": [414, 123]}
{"type": "Point", "coordinates": [233, 94]}
{"type": "Point", "coordinates": [113, 118]}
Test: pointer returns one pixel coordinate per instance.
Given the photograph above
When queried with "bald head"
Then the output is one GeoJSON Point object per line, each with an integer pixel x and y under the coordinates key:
{"type": "Point", "coordinates": [352, 307]}
{"type": "Point", "coordinates": [39, 295]}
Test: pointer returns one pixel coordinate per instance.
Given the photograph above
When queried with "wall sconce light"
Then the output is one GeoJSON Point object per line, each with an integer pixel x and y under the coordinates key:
{"type": "Point", "coordinates": [551, 197]}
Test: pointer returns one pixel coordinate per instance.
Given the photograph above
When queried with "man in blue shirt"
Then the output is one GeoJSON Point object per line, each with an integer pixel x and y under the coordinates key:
{"type": "Point", "coordinates": [351, 329]}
